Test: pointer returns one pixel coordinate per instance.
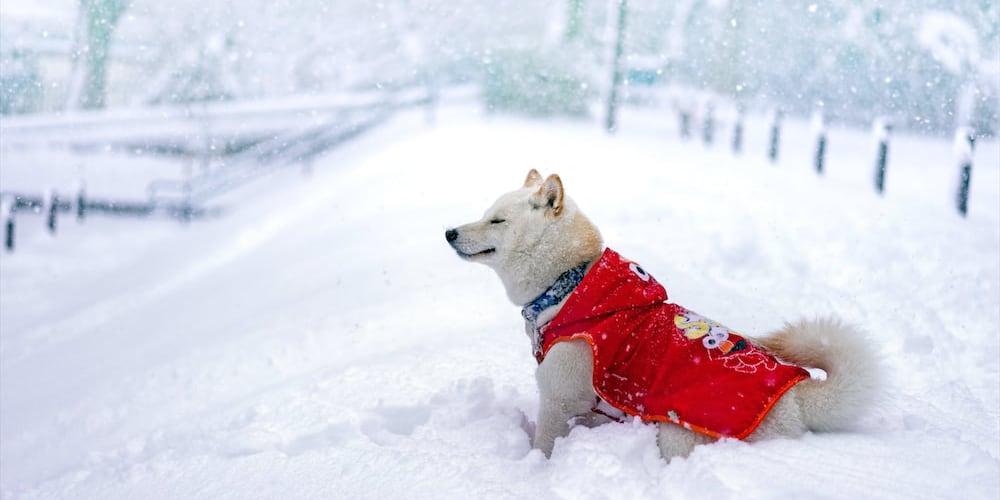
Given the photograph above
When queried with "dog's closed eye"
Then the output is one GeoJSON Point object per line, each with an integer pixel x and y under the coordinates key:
{"type": "Point", "coordinates": [497, 221]}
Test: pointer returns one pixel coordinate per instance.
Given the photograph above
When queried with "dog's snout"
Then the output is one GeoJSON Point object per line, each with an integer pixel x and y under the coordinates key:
{"type": "Point", "coordinates": [451, 235]}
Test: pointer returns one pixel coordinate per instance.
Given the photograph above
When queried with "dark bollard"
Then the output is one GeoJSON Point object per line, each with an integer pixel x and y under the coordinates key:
{"type": "Point", "coordinates": [775, 142]}
{"type": "Point", "coordinates": [685, 118]}
{"type": "Point", "coordinates": [187, 208]}
{"type": "Point", "coordinates": [9, 234]}
{"type": "Point", "coordinates": [881, 130]}
{"type": "Point", "coordinates": [53, 211]}
{"type": "Point", "coordinates": [187, 211]}
{"type": "Point", "coordinates": [81, 204]}
{"type": "Point", "coordinates": [819, 126]}
{"type": "Point", "coordinates": [7, 215]}
{"type": "Point", "coordinates": [965, 143]}
{"type": "Point", "coordinates": [708, 125]}
{"type": "Point", "coordinates": [820, 153]}
{"type": "Point", "coordinates": [738, 134]}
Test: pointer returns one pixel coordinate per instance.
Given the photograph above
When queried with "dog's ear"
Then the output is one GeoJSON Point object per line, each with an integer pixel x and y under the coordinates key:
{"type": "Point", "coordinates": [549, 195]}
{"type": "Point", "coordinates": [533, 179]}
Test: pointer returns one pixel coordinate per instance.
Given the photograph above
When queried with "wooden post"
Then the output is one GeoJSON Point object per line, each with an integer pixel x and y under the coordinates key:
{"type": "Point", "coordinates": [611, 119]}
{"type": "Point", "coordinates": [738, 133]}
{"type": "Point", "coordinates": [685, 123]}
{"type": "Point", "coordinates": [186, 208]}
{"type": "Point", "coordinates": [188, 190]}
{"type": "Point", "coordinates": [819, 127]}
{"type": "Point", "coordinates": [53, 211]}
{"type": "Point", "coordinates": [965, 143]}
{"type": "Point", "coordinates": [775, 143]}
{"type": "Point", "coordinates": [708, 124]}
{"type": "Point", "coordinates": [81, 203]}
{"type": "Point", "coordinates": [881, 129]}
{"type": "Point", "coordinates": [7, 215]}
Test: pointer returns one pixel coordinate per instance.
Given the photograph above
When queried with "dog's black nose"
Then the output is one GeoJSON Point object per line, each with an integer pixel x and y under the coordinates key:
{"type": "Point", "coordinates": [451, 235]}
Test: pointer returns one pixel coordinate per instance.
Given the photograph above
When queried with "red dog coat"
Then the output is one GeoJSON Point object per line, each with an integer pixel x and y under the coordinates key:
{"type": "Point", "coordinates": [661, 362]}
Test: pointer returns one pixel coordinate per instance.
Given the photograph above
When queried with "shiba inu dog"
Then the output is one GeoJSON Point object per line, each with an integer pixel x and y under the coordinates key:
{"type": "Point", "coordinates": [543, 247]}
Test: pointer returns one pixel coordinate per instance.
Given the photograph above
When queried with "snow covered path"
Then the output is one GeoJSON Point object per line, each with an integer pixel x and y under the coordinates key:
{"type": "Point", "coordinates": [322, 340]}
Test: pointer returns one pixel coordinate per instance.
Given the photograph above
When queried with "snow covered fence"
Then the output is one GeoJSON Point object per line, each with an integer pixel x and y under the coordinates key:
{"type": "Point", "coordinates": [52, 204]}
{"type": "Point", "coordinates": [10, 204]}
{"type": "Point", "coordinates": [56, 205]}
{"type": "Point", "coordinates": [707, 122]}
{"type": "Point", "coordinates": [299, 145]}
{"type": "Point", "coordinates": [297, 141]}
{"type": "Point", "coordinates": [186, 125]}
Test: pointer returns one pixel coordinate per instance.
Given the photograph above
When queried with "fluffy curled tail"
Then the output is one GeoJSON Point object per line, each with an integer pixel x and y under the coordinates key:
{"type": "Point", "coordinates": [853, 376]}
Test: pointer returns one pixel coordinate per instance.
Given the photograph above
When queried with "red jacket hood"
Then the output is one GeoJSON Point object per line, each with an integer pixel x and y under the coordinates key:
{"type": "Point", "coordinates": [611, 285]}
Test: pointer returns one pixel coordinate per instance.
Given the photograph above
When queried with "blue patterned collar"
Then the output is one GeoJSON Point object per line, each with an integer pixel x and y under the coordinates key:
{"type": "Point", "coordinates": [563, 286]}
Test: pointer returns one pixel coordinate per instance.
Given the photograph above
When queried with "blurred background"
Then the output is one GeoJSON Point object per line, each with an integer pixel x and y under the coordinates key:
{"type": "Point", "coordinates": [925, 64]}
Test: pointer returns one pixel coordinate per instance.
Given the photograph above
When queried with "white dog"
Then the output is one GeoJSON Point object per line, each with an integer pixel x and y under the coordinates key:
{"type": "Point", "coordinates": [532, 236]}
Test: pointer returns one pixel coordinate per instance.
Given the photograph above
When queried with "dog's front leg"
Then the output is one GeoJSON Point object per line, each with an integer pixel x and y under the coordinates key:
{"type": "Point", "coordinates": [565, 389]}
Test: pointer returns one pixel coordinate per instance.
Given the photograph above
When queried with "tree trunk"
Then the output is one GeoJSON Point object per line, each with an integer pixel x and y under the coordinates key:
{"type": "Point", "coordinates": [611, 120]}
{"type": "Point", "coordinates": [97, 22]}
{"type": "Point", "coordinates": [574, 20]}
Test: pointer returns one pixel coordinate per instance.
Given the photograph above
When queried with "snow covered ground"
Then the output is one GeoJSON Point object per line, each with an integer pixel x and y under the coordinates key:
{"type": "Point", "coordinates": [322, 340]}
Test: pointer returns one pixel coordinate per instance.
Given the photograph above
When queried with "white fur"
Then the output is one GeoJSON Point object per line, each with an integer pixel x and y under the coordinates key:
{"type": "Point", "coordinates": [853, 376]}
{"type": "Point", "coordinates": [543, 234]}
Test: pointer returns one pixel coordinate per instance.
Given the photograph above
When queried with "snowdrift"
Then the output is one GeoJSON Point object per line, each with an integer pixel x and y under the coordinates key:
{"type": "Point", "coordinates": [321, 340]}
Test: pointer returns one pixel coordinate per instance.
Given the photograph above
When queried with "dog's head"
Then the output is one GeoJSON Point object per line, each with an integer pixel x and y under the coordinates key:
{"type": "Point", "coordinates": [529, 236]}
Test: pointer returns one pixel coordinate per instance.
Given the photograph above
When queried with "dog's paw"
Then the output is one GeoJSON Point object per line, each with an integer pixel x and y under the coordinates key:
{"type": "Point", "coordinates": [528, 427]}
{"type": "Point", "coordinates": [590, 420]}
{"type": "Point", "coordinates": [545, 444]}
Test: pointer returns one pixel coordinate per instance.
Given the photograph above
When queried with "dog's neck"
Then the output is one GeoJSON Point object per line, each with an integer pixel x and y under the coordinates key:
{"type": "Point", "coordinates": [563, 286]}
{"type": "Point", "coordinates": [543, 309]}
